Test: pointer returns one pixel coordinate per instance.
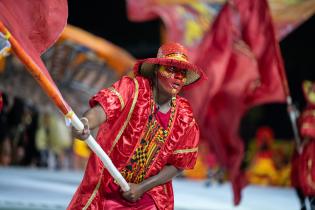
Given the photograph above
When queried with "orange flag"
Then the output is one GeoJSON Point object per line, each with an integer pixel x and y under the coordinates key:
{"type": "Point", "coordinates": [31, 27]}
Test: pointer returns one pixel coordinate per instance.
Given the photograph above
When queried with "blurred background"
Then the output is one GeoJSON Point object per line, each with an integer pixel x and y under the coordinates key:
{"type": "Point", "coordinates": [41, 164]}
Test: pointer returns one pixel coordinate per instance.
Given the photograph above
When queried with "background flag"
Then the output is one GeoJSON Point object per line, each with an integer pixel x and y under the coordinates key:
{"type": "Point", "coordinates": [236, 45]}
{"type": "Point", "coordinates": [242, 59]}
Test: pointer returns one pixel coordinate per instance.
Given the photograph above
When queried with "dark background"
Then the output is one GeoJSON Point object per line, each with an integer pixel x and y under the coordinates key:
{"type": "Point", "coordinates": [110, 21]}
{"type": "Point", "coordinates": [143, 39]}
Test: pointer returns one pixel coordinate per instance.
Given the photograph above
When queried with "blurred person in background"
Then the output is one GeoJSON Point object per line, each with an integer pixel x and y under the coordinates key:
{"type": "Point", "coordinates": [303, 163]}
{"type": "Point", "coordinates": [282, 161]}
{"type": "Point", "coordinates": [5, 141]}
{"type": "Point", "coordinates": [42, 139]}
{"type": "Point", "coordinates": [262, 169]}
{"type": "Point", "coordinates": [147, 130]}
{"type": "Point", "coordinates": [26, 148]}
{"type": "Point", "coordinates": [6, 151]}
{"type": "Point", "coordinates": [53, 140]}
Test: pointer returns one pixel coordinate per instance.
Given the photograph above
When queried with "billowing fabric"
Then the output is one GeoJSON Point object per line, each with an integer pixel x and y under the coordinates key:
{"type": "Point", "coordinates": [35, 24]}
{"type": "Point", "coordinates": [242, 60]}
{"type": "Point", "coordinates": [127, 106]}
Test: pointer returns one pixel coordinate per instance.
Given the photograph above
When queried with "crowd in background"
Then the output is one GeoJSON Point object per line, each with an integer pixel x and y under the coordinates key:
{"type": "Point", "coordinates": [37, 138]}
{"type": "Point", "coordinates": [40, 138]}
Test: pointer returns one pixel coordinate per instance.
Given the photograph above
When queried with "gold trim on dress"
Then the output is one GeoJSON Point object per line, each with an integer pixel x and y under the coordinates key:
{"type": "Point", "coordinates": [129, 115]}
{"type": "Point", "coordinates": [181, 151]}
{"type": "Point", "coordinates": [122, 103]}
{"type": "Point", "coordinates": [165, 189]}
{"type": "Point", "coordinates": [94, 191]}
{"type": "Point", "coordinates": [115, 142]}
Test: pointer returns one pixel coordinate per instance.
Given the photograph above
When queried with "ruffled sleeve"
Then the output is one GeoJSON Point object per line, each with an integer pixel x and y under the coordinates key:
{"type": "Point", "coordinates": [114, 98]}
{"type": "Point", "coordinates": [185, 154]}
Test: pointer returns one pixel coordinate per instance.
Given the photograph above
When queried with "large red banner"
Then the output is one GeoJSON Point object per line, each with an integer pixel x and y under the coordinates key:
{"type": "Point", "coordinates": [32, 26]}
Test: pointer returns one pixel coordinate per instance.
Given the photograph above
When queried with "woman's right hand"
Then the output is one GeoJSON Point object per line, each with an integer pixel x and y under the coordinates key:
{"type": "Point", "coordinates": [83, 134]}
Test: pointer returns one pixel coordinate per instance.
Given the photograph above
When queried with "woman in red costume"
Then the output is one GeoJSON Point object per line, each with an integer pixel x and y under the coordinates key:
{"type": "Point", "coordinates": [303, 165]}
{"type": "Point", "coordinates": [148, 131]}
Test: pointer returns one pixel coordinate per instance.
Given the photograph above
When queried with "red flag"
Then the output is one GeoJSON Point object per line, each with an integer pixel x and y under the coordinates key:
{"type": "Point", "coordinates": [242, 57]}
{"type": "Point", "coordinates": [34, 25]}
{"type": "Point", "coordinates": [259, 34]}
{"type": "Point", "coordinates": [38, 21]}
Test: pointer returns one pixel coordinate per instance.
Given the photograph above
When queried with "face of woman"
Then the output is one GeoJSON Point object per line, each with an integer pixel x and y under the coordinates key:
{"type": "Point", "coordinates": [171, 79]}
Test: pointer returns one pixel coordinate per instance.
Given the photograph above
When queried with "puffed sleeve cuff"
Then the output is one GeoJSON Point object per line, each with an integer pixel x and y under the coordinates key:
{"type": "Point", "coordinates": [184, 158]}
{"type": "Point", "coordinates": [108, 101]}
{"type": "Point", "coordinates": [185, 155]}
{"type": "Point", "coordinates": [114, 98]}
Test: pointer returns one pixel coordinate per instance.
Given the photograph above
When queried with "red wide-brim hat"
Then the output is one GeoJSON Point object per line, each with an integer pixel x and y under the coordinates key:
{"type": "Point", "coordinates": [170, 54]}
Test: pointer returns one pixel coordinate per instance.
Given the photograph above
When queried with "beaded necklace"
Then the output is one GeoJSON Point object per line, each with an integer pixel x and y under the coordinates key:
{"type": "Point", "coordinates": [152, 140]}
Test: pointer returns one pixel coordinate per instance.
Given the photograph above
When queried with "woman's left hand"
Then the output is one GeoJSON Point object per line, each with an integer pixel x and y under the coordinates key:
{"type": "Point", "coordinates": [134, 193]}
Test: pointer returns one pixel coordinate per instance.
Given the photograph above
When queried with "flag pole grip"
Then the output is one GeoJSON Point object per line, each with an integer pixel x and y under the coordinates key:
{"type": "Point", "coordinates": [52, 91]}
{"type": "Point", "coordinates": [96, 148]}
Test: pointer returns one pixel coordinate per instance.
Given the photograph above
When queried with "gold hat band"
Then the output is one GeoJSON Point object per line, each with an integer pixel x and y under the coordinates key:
{"type": "Point", "coordinates": [177, 56]}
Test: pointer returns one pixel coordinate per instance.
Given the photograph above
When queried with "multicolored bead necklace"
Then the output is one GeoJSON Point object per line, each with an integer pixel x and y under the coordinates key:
{"type": "Point", "coordinates": [152, 140]}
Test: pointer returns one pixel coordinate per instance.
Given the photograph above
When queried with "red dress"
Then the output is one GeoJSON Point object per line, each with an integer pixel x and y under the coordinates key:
{"type": "Point", "coordinates": [128, 107]}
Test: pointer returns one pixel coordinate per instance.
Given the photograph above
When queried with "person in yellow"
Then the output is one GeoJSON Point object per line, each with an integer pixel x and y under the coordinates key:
{"type": "Point", "coordinates": [81, 154]}
{"type": "Point", "coordinates": [52, 137]}
{"type": "Point", "coordinates": [262, 169]}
